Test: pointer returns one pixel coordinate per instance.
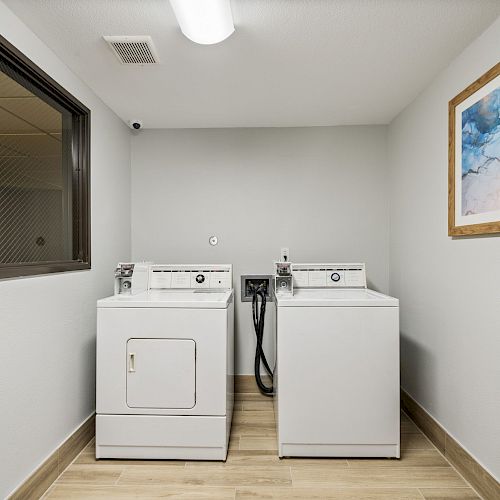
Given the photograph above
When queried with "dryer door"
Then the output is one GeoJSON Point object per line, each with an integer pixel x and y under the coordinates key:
{"type": "Point", "coordinates": [161, 373]}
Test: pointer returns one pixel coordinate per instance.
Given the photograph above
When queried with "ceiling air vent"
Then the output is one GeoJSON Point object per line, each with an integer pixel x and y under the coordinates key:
{"type": "Point", "coordinates": [133, 49]}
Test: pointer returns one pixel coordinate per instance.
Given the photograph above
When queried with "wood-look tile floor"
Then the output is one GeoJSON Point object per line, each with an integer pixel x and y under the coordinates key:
{"type": "Point", "coordinates": [254, 471]}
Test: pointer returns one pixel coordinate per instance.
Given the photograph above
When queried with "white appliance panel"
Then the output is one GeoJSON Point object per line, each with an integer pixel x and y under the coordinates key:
{"type": "Point", "coordinates": [220, 279]}
{"type": "Point", "coordinates": [349, 275]}
{"type": "Point", "coordinates": [161, 373]}
{"type": "Point", "coordinates": [338, 381]}
{"type": "Point", "coordinates": [181, 279]}
{"type": "Point", "coordinates": [208, 328]}
{"type": "Point", "coordinates": [355, 278]}
{"type": "Point", "coordinates": [200, 279]}
{"type": "Point", "coordinates": [300, 279]}
{"type": "Point", "coordinates": [335, 278]}
{"type": "Point", "coordinates": [336, 297]}
{"type": "Point", "coordinates": [160, 279]}
{"type": "Point", "coordinates": [162, 437]}
{"type": "Point", "coordinates": [317, 278]}
{"type": "Point", "coordinates": [191, 276]}
{"type": "Point", "coordinates": [195, 299]}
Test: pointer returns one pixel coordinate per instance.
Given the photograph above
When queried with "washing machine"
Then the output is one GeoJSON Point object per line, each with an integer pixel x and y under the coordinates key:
{"type": "Point", "coordinates": [337, 372]}
{"type": "Point", "coordinates": [165, 364]}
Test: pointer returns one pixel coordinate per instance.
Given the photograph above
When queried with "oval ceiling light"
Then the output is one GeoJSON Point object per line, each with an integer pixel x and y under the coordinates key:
{"type": "Point", "coordinates": [204, 21]}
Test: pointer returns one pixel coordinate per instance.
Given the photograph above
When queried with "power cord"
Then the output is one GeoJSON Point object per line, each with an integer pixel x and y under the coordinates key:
{"type": "Point", "coordinates": [259, 315]}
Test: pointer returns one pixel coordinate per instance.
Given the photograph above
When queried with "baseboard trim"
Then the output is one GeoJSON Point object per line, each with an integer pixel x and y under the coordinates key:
{"type": "Point", "coordinates": [43, 477]}
{"type": "Point", "coordinates": [465, 463]}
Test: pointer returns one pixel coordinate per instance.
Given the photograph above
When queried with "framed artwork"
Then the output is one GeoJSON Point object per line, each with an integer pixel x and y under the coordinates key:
{"type": "Point", "coordinates": [474, 158]}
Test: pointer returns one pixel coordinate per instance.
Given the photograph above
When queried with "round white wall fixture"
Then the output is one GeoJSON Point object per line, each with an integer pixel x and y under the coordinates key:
{"type": "Point", "coordinates": [213, 240]}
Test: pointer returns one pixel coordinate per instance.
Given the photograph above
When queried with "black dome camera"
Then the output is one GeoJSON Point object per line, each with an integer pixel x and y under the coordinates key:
{"type": "Point", "coordinates": [135, 124]}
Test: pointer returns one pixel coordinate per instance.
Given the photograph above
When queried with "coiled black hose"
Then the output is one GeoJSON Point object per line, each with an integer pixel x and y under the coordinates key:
{"type": "Point", "coordinates": [259, 315]}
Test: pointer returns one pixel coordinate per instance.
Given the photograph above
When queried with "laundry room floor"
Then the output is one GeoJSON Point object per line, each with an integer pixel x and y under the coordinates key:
{"type": "Point", "coordinates": [254, 471]}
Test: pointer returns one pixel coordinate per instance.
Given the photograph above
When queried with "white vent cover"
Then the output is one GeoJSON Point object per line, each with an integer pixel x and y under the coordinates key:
{"type": "Point", "coordinates": [133, 49]}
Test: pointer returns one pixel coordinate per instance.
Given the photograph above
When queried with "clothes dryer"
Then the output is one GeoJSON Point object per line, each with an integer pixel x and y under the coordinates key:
{"type": "Point", "coordinates": [165, 366]}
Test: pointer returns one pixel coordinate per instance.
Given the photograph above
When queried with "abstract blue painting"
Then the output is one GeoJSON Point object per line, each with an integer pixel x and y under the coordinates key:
{"type": "Point", "coordinates": [481, 156]}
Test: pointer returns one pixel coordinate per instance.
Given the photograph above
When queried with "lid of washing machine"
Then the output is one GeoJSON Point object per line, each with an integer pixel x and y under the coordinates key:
{"type": "Point", "coordinates": [194, 299]}
{"type": "Point", "coordinates": [306, 297]}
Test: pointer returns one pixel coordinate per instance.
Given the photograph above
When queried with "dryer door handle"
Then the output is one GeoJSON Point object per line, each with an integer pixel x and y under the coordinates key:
{"type": "Point", "coordinates": [131, 362]}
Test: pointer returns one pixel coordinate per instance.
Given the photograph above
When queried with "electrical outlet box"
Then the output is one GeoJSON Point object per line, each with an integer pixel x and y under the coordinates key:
{"type": "Point", "coordinates": [256, 280]}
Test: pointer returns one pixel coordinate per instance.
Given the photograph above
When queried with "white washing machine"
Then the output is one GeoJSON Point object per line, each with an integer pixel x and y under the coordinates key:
{"type": "Point", "coordinates": [337, 371]}
{"type": "Point", "coordinates": [165, 365]}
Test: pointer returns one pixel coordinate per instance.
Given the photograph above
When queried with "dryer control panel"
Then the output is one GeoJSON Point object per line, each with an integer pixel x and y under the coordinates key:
{"type": "Point", "coordinates": [191, 276]}
{"type": "Point", "coordinates": [329, 275]}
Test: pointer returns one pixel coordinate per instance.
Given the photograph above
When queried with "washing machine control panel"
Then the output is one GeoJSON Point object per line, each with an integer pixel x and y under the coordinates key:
{"type": "Point", "coordinates": [329, 275]}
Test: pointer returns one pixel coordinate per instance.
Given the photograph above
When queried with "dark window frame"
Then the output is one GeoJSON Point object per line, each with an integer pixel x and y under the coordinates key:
{"type": "Point", "coordinates": [16, 61]}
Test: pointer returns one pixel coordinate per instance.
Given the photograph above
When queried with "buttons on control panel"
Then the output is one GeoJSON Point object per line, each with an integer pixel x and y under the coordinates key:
{"type": "Point", "coordinates": [181, 279]}
{"type": "Point", "coordinates": [200, 278]}
{"type": "Point", "coordinates": [317, 278]}
{"type": "Point", "coordinates": [329, 275]}
{"type": "Point", "coordinates": [190, 277]}
{"type": "Point", "coordinates": [336, 278]}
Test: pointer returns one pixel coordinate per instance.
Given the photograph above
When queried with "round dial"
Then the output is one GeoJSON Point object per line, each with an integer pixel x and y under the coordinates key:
{"type": "Point", "coordinates": [200, 278]}
{"type": "Point", "coordinates": [335, 277]}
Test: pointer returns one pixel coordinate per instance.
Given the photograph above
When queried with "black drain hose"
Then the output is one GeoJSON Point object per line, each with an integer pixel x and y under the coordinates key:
{"type": "Point", "coordinates": [259, 315]}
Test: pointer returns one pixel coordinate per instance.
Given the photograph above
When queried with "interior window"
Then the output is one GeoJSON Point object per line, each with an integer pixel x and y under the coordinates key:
{"type": "Point", "coordinates": [44, 224]}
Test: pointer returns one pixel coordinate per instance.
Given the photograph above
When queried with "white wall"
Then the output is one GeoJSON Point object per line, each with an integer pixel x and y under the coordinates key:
{"type": "Point", "coordinates": [449, 288]}
{"type": "Point", "coordinates": [320, 191]}
{"type": "Point", "coordinates": [48, 323]}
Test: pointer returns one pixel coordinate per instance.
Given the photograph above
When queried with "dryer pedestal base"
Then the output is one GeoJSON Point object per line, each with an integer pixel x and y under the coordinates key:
{"type": "Point", "coordinates": [162, 437]}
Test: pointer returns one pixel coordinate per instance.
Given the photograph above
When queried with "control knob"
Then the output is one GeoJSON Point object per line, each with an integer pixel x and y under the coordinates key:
{"type": "Point", "coordinates": [335, 277]}
{"type": "Point", "coordinates": [200, 278]}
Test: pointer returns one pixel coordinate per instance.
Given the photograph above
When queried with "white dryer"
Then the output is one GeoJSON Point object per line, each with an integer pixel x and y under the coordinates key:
{"type": "Point", "coordinates": [337, 371]}
{"type": "Point", "coordinates": [165, 366]}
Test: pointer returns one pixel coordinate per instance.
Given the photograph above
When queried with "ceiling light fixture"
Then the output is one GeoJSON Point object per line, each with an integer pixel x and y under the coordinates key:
{"type": "Point", "coordinates": [204, 21]}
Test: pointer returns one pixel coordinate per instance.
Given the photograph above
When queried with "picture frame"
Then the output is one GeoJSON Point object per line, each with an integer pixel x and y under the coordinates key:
{"type": "Point", "coordinates": [474, 157]}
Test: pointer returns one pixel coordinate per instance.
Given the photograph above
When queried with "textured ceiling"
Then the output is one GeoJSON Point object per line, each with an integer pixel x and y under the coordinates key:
{"type": "Point", "coordinates": [289, 63]}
